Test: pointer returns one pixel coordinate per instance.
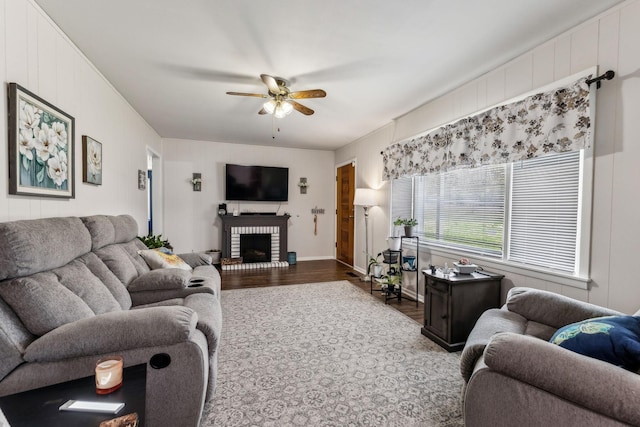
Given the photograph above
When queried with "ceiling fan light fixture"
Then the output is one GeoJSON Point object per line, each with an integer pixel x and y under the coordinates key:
{"type": "Point", "coordinates": [281, 101]}
{"type": "Point", "coordinates": [282, 109]}
{"type": "Point", "coordinates": [270, 106]}
{"type": "Point", "coordinates": [288, 108]}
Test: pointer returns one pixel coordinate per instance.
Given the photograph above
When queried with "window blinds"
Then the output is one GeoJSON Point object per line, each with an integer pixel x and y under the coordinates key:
{"type": "Point", "coordinates": [545, 200]}
{"type": "Point", "coordinates": [464, 208]}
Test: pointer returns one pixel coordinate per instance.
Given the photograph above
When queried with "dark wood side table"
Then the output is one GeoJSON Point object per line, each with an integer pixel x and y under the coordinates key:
{"type": "Point", "coordinates": [39, 407]}
{"type": "Point", "coordinates": [454, 303]}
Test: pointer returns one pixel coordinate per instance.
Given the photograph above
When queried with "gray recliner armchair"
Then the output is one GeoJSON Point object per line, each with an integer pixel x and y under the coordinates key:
{"type": "Point", "coordinates": [514, 376]}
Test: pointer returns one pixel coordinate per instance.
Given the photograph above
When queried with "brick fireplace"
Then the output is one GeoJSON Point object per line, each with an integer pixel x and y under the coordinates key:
{"type": "Point", "coordinates": [261, 240]}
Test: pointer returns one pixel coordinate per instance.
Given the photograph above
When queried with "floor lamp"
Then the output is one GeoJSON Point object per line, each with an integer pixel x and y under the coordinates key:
{"type": "Point", "coordinates": [365, 197]}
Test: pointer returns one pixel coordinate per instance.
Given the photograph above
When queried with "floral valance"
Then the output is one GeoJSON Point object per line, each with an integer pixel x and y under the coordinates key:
{"type": "Point", "coordinates": [554, 121]}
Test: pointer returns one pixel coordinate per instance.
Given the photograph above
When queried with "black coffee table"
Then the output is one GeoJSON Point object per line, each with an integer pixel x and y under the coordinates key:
{"type": "Point", "coordinates": [39, 407]}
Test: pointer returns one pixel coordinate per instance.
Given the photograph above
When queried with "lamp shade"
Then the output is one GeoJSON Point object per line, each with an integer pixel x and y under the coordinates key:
{"type": "Point", "coordinates": [269, 106]}
{"type": "Point", "coordinates": [365, 197]}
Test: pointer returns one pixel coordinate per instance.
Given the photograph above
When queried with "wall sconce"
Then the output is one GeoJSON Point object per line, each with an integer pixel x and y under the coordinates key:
{"type": "Point", "coordinates": [303, 184]}
{"type": "Point", "coordinates": [196, 181]}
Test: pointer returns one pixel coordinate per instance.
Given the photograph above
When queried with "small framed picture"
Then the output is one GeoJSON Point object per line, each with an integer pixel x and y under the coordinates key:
{"type": "Point", "coordinates": [142, 179]}
{"type": "Point", "coordinates": [91, 161]}
{"type": "Point", "coordinates": [41, 155]}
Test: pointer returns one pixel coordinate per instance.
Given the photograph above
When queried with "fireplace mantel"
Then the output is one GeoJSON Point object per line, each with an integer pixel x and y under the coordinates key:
{"type": "Point", "coordinates": [258, 220]}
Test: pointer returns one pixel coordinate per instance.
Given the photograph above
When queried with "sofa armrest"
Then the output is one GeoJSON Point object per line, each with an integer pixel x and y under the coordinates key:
{"type": "Point", "coordinates": [491, 322]}
{"type": "Point", "coordinates": [195, 259]}
{"type": "Point", "coordinates": [113, 332]}
{"type": "Point", "coordinates": [160, 279]}
{"type": "Point", "coordinates": [552, 309]}
{"type": "Point", "coordinates": [590, 383]}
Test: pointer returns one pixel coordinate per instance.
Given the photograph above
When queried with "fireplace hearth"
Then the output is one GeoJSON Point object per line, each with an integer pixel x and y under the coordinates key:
{"type": "Point", "coordinates": [260, 240]}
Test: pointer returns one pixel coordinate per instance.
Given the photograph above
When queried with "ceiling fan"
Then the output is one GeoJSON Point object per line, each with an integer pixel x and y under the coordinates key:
{"type": "Point", "coordinates": [281, 101]}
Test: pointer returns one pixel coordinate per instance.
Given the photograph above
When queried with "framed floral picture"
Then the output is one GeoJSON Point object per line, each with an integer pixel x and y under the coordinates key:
{"type": "Point", "coordinates": [91, 160]}
{"type": "Point", "coordinates": [41, 146]}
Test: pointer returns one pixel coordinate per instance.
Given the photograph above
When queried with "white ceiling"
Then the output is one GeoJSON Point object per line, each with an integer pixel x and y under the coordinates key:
{"type": "Point", "coordinates": [376, 59]}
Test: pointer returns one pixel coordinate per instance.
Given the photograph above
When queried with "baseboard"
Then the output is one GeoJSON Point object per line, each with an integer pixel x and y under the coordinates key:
{"type": "Point", "coordinates": [311, 258]}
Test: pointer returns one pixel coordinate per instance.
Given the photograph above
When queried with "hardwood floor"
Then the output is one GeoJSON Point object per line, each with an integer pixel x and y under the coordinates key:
{"type": "Point", "coordinates": [311, 272]}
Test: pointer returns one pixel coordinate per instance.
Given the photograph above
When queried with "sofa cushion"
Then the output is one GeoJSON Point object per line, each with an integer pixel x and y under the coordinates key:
{"type": "Point", "coordinates": [33, 246]}
{"type": "Point", "coordinates": [108, 279]}
{"type": "Point", "coordinates": [159, 259]}
{"type": "Point", "coordinates": [165, 278]}
{"type": "Point", "coordinates": [101, 230]}
{"type": "Point", "coordinates": [539, 330]}
{"type": "Point", "coordinates": [126, 228]}
{"type": "Point", "coordinates": [77, 277]}
{"type": "Point", "coordinates": [119, 262]}
{"type": "Point", "coordinates": [43, 303]}
{"type": "Point", "coordinates": [106, 230]}
{"type": "Point", "coordinates": [613, 339]}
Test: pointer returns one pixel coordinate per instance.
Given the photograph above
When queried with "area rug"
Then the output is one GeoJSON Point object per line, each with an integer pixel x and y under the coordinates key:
{"type": "Point", "coordinates": [328, 354]}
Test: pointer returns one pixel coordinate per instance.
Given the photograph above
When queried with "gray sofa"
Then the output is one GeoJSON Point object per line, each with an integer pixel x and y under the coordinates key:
{"type": "Point", "coordinates": [75, 289]}
{"type": "Point", "coordinates": [514, 376]}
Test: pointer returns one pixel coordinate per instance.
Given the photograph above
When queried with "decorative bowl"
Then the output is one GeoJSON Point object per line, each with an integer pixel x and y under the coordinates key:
{"type": "Point", "coordinates": [464, 268]}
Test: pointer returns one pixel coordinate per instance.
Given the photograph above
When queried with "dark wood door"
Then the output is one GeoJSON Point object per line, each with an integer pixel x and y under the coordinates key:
{"type": "Point", "coordinates": [345, 182]}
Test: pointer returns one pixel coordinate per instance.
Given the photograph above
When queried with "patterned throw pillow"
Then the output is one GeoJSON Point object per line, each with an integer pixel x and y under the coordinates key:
{"type": "Point", "coordinates": [613, 339]}
{"type": "Point", "coordinates": [157, 258]}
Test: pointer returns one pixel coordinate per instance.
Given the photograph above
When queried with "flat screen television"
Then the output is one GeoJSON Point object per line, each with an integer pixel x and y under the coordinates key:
{"type": "Point", "coordinates": [256, 183]}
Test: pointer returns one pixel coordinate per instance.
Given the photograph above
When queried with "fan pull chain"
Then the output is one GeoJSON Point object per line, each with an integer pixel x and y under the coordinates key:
{"type": "Point", "coordinates": [273, 127]}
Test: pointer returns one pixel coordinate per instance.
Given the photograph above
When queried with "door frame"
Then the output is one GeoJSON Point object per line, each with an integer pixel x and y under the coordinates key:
{"type": "Point", "coordinates": [154, 191]}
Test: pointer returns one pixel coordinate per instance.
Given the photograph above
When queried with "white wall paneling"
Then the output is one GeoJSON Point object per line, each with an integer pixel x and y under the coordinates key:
{"type": "Point", "coordinates": [611, 41]}
{"type": "Point", "coordinates": [191, 219]}
{"type": "Point", "coordinates": [37, 55]}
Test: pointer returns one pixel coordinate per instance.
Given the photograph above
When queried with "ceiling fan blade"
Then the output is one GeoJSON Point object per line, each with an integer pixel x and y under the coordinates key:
{"type": "Point", "coordinates": [257, 95]}
{"type": "Point", "coordinates": [301, 108]}
{"type": "Point", "coordinates": [271, 83]}
{"type": "Point", "coordinates": [303, 94]}
{"type": "Point", "coordinates": [262, 111]}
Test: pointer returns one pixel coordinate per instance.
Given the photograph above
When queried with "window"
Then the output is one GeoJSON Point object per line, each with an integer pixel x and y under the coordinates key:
{"type": "Point", "coordinates": [525, 213]}
{"type": "Point", "coordinates": [545, 198]}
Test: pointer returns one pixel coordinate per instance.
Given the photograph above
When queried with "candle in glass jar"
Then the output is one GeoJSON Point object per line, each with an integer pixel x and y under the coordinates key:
{"type": "Point", "coordinates": [109, 374]}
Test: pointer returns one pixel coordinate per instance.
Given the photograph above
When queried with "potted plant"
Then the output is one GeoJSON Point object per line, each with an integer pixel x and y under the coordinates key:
{"type": "Point", "coordinates": [409, 226]}
{"type": "Point", "coordinates": [215, 255]}
{"type": "Point", "coordinates": [394, 241]}
{"type": "Point", "coordinates": [390, 256]}
{"type": "Point", "coordinates": [153, 242]}
{"type": "Point", "coordinates": [398, 222]}
{"type": "Point", "coordinates": [390, 281]}
{"type": "Point", "coordinates": [374, 267]}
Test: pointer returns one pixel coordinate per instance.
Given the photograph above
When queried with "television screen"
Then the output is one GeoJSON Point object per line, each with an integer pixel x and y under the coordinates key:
{"type": "Point", "coordinates": [256, 183]}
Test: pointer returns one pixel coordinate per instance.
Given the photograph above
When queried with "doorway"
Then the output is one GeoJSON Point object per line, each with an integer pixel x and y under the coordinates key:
{"type": "Point", "coordinates": [154, 193]}
{"type": "Point", "coordinates": [345, 188]}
